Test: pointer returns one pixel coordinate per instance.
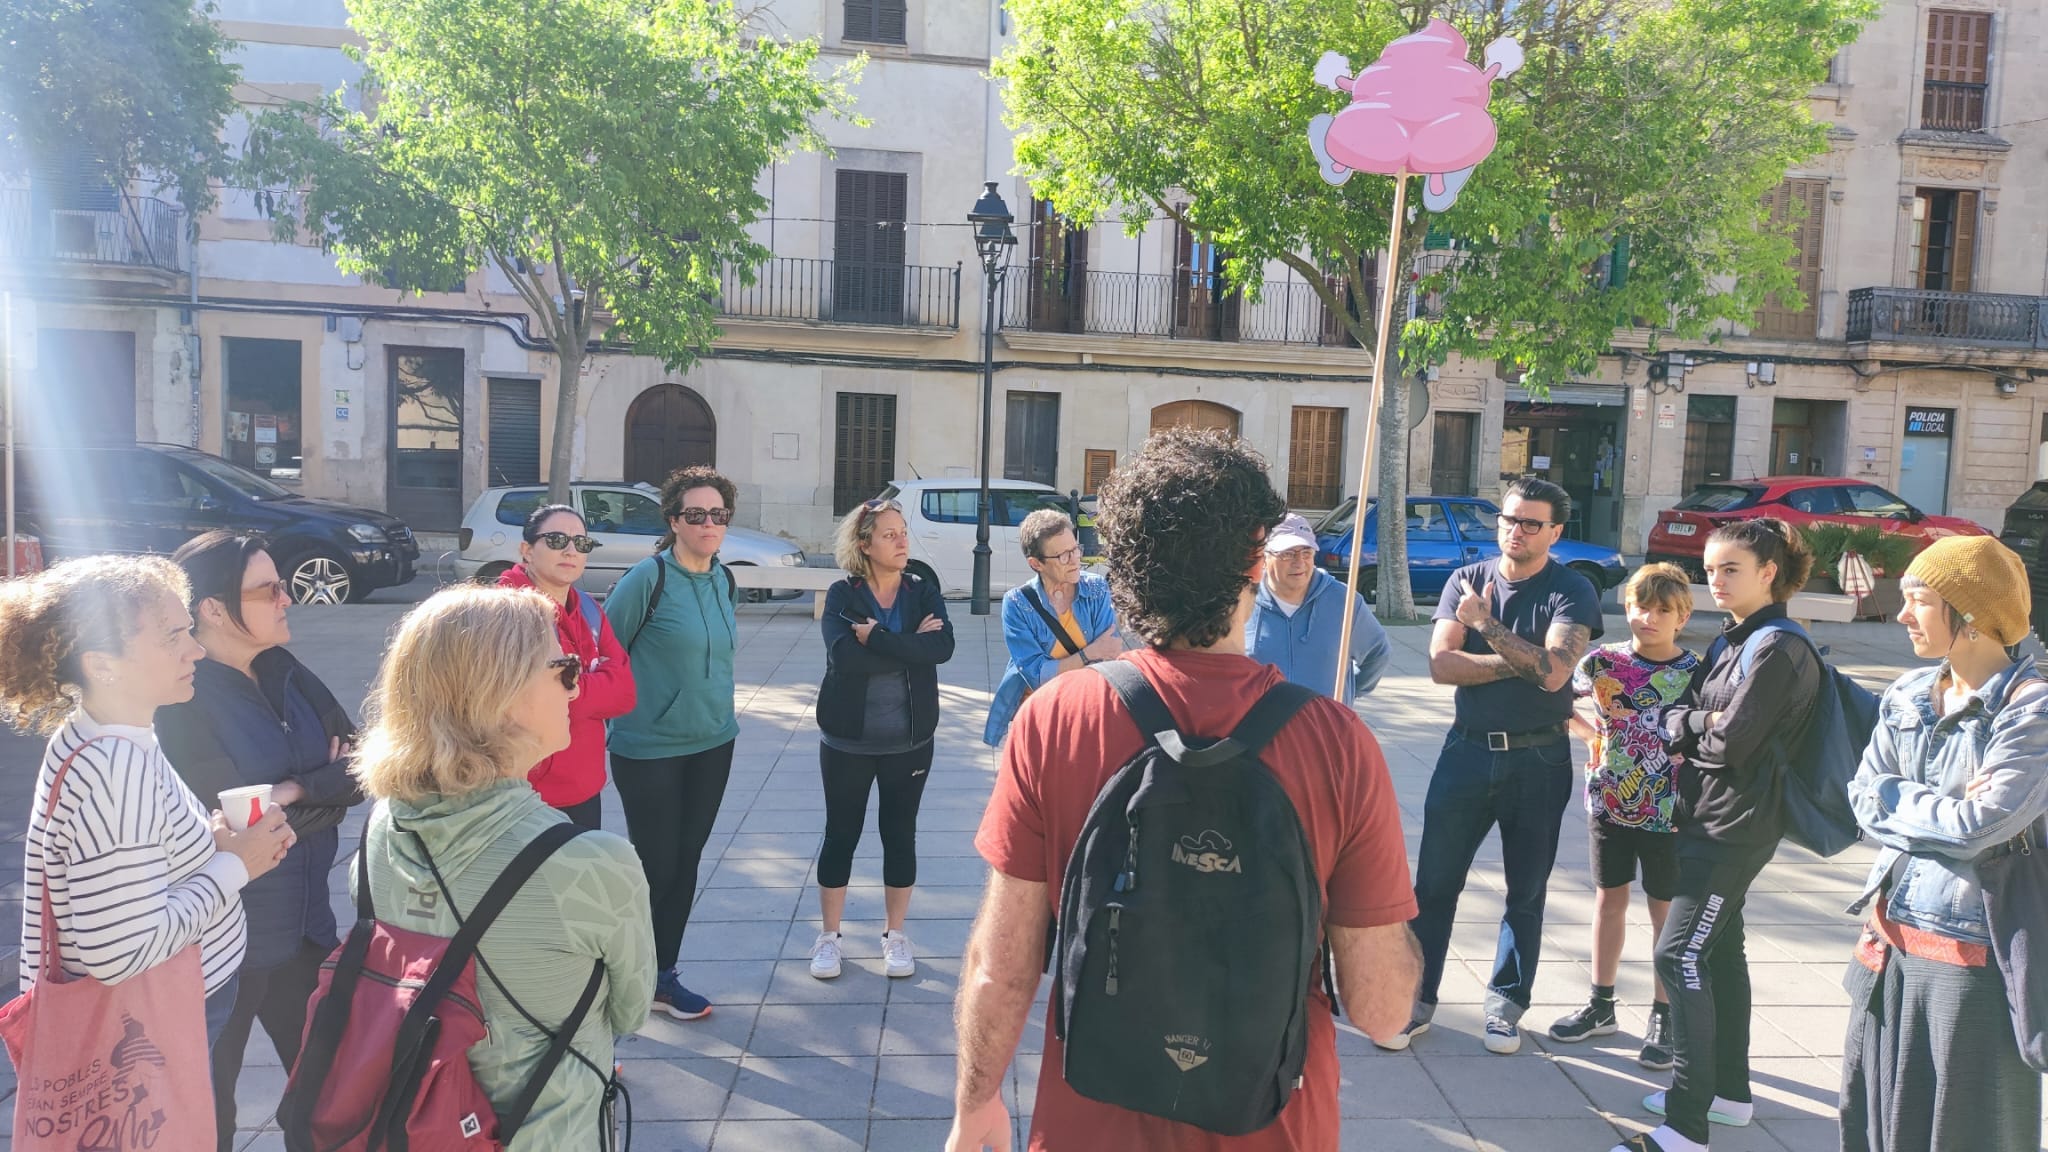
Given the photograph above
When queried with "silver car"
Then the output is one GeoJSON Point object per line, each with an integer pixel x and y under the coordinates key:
{"type": "Point", "coordinates": [625, 519]}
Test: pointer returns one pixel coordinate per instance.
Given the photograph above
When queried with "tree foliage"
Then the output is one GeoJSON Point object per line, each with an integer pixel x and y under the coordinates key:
{"type": "Point", "coordinates": [136, 88]}
{"type": "Point", "coordinates": [1659, 124]}
{"type": "Point", "coordinates": [600, 154]}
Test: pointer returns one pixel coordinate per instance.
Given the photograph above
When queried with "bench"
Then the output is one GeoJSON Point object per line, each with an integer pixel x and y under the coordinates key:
{"type": "Point", "coordinates": [815, 580]}
{"type": "Point", "coordinates": [1803, 607]}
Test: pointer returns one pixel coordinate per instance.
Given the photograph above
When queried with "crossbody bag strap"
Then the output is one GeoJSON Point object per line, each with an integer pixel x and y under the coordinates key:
{"type": "Point", "coordinates": [51, 950]}
{"type": "Point", "coordinates": [1059, 629]}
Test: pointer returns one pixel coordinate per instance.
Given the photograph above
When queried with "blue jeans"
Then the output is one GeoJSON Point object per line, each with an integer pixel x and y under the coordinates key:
{"type": "Point", "coordinates": [219, 1006]}
{"type": "Point", "coordinates": [1525, 792]}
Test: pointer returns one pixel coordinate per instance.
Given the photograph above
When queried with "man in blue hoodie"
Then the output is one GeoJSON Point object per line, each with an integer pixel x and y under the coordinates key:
{"type": "Point", "coordinates": [1300, 619]}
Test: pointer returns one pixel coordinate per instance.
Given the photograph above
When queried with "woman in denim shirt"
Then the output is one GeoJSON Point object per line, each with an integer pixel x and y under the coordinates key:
{"type": "Point", "coordinates": [1077, 599]}
{"type": "Point", "coordinates": [1957, 768]}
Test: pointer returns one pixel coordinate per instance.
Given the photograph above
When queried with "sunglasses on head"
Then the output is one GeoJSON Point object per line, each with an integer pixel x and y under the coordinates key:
{"type": "Point", "coordinates": [874, 508]}
{"type": "Point", "coordinates": [720, 516]}
{"type": "Point", "coordinates": [569, 668]}
{"type": "Point", "coordinates": [562, 542]}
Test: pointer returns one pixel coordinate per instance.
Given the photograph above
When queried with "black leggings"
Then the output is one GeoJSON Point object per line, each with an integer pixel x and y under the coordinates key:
{"type": "Point", "coordinates": [849, 776]}
{"type": "Point", "coordinates": [277, 997]}
{"type": "Point", "coordinates": [670, 805]}
{"type": "Point", "coordinates": [1700, 960]}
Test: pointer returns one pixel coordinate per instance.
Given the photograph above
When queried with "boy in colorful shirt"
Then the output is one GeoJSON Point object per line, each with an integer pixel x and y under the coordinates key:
{"type": "Point", "coordinates": [1631, 787]}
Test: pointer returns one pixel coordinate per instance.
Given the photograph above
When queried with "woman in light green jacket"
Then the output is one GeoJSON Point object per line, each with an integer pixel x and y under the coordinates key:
{"type": "Point", "coordinates": [473, 692]}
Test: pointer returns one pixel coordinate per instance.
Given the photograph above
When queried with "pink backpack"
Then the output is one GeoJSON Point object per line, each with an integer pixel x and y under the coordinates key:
{"type": "Point", "coordinates": [385, 1063]}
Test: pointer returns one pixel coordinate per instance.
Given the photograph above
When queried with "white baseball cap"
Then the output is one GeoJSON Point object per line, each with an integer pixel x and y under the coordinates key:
{"type": "Point", "coordinates": [1293, 532]}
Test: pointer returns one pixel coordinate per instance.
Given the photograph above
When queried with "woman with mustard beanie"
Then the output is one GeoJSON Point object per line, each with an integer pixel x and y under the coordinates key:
{"type": "Point", "coordinates": [1957, 769]}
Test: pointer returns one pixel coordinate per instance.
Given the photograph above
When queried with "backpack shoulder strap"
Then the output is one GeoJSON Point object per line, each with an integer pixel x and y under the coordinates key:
{"type": "Point", "coordinates": [592, 615]}
{"type": "Point", "coordinates": [1274, 709]}
{"type": "Point", "coordinates": [1059, 630]}
{"type": "Point", "coordinates": [653, 599]}
{"type": "Point", "coordinates": [1141, 699]}
{"type": "Point", "coordinates": [514, 1116]}
{"type": "Point", "coordinates": [732, 584]}
{"type": "Point", "coordinates": [1756, 638]}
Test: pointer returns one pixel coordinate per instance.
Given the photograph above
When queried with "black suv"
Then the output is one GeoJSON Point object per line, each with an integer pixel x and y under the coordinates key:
{"type": "Point", "coordinates": [2026, 532]}
{"type": "Point", "coordinates": [154, 497]}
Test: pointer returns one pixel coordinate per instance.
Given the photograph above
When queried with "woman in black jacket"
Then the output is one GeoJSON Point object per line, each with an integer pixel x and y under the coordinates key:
{"type": "Point", "coordinates": [1754, 699]}
{"type": "Point", "coordinates": [258, 716]}
{"type": "Point", "coordinates": [886, 633]}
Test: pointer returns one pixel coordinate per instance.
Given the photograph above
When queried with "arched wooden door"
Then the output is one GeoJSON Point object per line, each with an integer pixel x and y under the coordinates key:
{"type": "Point", "coordinates": [1198, 414]}
{"type": "Point", "coordinates": [668, 427]}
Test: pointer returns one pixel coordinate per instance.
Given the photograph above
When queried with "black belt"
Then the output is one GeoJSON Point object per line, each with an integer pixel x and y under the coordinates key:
{"type": "Point", "coordinates": [1511, 741]}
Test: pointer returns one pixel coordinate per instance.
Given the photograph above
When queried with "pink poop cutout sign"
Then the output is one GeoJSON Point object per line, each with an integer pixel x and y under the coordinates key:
{"type": "Point", "coordinates": [1420, 109]}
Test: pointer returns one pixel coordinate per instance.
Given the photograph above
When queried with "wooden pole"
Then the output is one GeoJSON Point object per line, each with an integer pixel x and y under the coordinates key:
{"type": "Point", "coordinates": [1372, 418]}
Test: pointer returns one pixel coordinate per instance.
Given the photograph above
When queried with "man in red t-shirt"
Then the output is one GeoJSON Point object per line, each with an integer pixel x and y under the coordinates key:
{"type": "Point", "coordinates": [1183, 523]}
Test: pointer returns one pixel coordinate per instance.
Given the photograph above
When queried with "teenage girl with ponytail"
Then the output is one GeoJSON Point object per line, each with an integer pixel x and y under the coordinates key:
{"type": "Point", "coordinates": [1729, 817]}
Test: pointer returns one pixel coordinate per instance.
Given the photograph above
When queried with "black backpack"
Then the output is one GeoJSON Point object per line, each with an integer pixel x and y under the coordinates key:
{"type": "Point", "coordinates": [1189, 925]}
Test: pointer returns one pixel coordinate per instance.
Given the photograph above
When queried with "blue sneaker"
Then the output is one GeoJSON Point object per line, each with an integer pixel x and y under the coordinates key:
{"type": "Point", "coordinates": [671, 997]}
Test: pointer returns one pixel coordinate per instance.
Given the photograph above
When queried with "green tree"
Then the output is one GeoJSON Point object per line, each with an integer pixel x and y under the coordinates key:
{"type": "Point", "coordinates": [601, 154]}
{"type": "Point", "coordinates": [1635, 147]}
{"type": "Point", "coordinates": [135, 88]}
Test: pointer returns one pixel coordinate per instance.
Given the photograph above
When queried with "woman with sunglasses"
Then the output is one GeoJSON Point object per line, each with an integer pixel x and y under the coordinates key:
{"type": "Point", "coordinates": [672, 754]}
{"type": "Point", "coordinates": [258, 716]}
{"type": "Point", "coordinates": [886, 634]}
{"type": "Point", "coordinates": [553, 552]}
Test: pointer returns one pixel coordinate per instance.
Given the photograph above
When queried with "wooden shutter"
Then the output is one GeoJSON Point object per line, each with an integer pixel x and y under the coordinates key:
{"type": "Point", "coordinates": [860, 20]}
{"type": "Point", "coordinates": [1315, 458]}
{"type": "Point", "coordinates": [1958, 46]}
{"type": "Point", "coordinates": [514, 431]}
{"type": "Point", "coordinates": [1802, 204]}
{"type": "Point", "coordinates": [1183, 280]}
{"type": "Point", "coordinates": [864, 448]}
{"type": "Point", "coordinates": [892, 19]}
{"type": "Point", "coordinates": [1963, 260]}
{"type": "Point", "coordinates": [868, 246]}
{"type": "Point", "coordinates": [1098, 463]}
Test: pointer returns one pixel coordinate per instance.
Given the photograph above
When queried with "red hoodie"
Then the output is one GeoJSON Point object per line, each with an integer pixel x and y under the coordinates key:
{"type": "Point", "coordinates": [576, 773]}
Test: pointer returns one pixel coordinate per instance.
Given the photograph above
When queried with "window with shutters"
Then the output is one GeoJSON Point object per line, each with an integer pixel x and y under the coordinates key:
{"type": "Point", "coordinates": [1360, 294]}
{"type": "Point", "coordinates": [1058, 275]}
{"type": "Point", "coordinates": [1943, 258]}
{"type": "Point", "coordinates": [1315, 458]}
{"type": "Point", "coordinates": [1205, 307]}
{"type": "Point", "coordinates": [263, 404]}
{"type": "Point", "coordinates": [863, 448]}
{"type": "Point", "coordinates": [1098, 463]}
{"type": "Point", "coordinates": [1958, 71]}
{"type": "Point", "coordinates": [514, 407]}
{"type": "Point", "coordinates": [877, 21]}
{"type": "Point", "coordinates": [1799, 206]}
{"type": "Point", "coordinates": [867, 247]}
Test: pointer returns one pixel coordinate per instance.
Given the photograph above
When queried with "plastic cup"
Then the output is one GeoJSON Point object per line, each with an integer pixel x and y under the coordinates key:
{"type": "Point", "coordinates": [245, 806]}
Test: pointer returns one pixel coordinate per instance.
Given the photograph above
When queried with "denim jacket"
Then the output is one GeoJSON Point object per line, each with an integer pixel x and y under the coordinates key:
{"type": "Point", "coordinates": [1909, 795]}
{"type": "Point", "coordinates": [1030, 642]}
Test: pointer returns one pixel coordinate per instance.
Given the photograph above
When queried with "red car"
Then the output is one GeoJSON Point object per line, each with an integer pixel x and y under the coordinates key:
{"type": "Point", "coordinates": [1680, 536]}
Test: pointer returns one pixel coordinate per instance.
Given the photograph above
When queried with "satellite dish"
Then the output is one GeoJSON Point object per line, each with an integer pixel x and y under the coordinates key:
{"type": "Point", "coordinates": [1418, 401]}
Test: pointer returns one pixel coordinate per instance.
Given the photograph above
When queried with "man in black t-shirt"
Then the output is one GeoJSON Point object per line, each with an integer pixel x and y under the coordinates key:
{"type": "Point", "coordinates": [1509, 632]}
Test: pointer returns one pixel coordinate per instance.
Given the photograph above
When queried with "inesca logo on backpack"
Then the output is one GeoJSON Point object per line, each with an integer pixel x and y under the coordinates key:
{"type": "Point", "coordinates": [1190, 924]}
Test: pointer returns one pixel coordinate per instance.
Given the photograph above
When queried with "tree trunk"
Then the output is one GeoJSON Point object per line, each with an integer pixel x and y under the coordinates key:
{"type": "Point", "coordinates": [1397, 599]}
{"type": "Point", "coordinates": [561, 454]}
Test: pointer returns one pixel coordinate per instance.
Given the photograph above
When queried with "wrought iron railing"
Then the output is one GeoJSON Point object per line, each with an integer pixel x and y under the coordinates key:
{"type": "Point", "coordinates": [1188, 306]}
{"type": "Point", "coordinates": [135, 231]}
{"type": "Point", "coordinates": [1948, 106]}
{"type": "Point", "coordinates": [844, 292]}
{"type": "Point", "coordinates": [1924, 315]}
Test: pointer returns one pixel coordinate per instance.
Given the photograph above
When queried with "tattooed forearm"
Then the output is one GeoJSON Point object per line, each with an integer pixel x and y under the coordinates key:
{"type": "Point", "coordinates": [1524, 659]}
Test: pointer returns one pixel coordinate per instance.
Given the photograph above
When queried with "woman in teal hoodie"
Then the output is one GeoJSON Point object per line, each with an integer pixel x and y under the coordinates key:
{"type": "Point", "coordinates": [672, 754]}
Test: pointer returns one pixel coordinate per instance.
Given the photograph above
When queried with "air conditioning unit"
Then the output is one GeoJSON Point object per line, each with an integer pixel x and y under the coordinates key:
{"type": "Point", "coordinates": [75, 235]}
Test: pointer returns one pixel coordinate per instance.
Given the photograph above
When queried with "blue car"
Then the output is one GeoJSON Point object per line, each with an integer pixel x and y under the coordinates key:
{"type": "Point", "coordinates": [1445, 533]}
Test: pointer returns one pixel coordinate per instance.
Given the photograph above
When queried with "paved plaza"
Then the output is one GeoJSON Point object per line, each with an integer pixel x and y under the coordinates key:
{"type": "Point", "coordinates": [786, 1062]}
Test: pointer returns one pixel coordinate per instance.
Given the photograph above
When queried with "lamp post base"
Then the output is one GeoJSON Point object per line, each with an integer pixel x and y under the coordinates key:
{"type": "Point", "coordinates": [978, 602]}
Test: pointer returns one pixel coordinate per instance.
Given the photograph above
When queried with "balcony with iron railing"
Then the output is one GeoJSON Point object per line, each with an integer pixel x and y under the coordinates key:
{"type": "Point", "coordinates": [1925, 316]}
{"type": "Point", "coordinates": [1948, 106]}
{"type": "Point", "coordinates": [789, 288]}
{"type": "Point", "coordinates": [137, 232]}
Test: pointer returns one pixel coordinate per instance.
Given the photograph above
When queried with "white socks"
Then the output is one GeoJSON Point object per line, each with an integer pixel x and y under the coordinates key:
{"type": "Point", "coordinates": [1731, 1113]}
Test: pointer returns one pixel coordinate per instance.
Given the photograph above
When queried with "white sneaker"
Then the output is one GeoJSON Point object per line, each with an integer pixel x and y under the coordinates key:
{"type": "Point", "coordinates": [1502, 1038]}
{"type": "Point", "coordinates": [825, 956]}
{"type": "Point", "coordinates": [1728, 1112]}
{"type": "Point", "coordinates": [897, 958]}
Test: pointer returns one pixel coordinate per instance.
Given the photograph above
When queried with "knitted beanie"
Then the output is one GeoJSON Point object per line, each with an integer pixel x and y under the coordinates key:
{"type": "Point", "coordinates": [1980, 578]}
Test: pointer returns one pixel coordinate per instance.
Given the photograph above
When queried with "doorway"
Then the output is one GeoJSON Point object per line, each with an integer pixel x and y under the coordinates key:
{"type": "Point", "coordinates": [1924, 458]}
{"type": "Point", "coordinates": [1195, 414]}
{"type": "Point", "coordinates": [1806, 437]}
{"type": "Point", "coordinates": [1031, 437]}
{"type": "Point", "coordinates": [426, 438]}
{"type": "Point", "coordinates": [1452, 459]}
{"type": "Point", "coordinates": [1578, 447]}
{"type": "Point", "coordinates": [667, 428]}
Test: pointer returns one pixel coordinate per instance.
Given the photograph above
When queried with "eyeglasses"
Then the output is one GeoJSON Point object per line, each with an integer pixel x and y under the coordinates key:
{"type": "Point", "coordinates": [562, 542]}
{"type": "Point", "coordinates": [1517, 524]}
{"type": "Point", "coordinates": [569, 668]}
{"type": "Point", "coordinates": [877, 507]}
{"type": "Point", "coordinates": [719, 516]}
{"type": "Point", "coordinates": [1067, 557]}
{"type": "Point", "coordinates": [269, 590]}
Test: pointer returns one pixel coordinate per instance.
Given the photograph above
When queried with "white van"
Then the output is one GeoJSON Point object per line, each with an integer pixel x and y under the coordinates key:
{"type": "Point", "coordinates": [941, 514]}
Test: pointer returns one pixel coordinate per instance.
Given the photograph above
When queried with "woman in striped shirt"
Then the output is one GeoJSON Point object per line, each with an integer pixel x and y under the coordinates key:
{"type": "Point", "coordinates": [137, 871]}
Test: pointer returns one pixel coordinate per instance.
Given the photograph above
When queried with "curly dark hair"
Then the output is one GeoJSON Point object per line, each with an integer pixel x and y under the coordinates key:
{"type": "Point", "coordinates": [1182, 522]}
{"type": "Point", "coordinates": [1771, 541]}
{"type": "Point", "coordinates": [682, 480]}
{"type": "Point", "coordinates": [48, 621]}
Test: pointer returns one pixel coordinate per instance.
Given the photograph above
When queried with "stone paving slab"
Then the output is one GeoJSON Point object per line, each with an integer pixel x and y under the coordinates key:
{"type": "Point", "coordinates": [864, 1062]}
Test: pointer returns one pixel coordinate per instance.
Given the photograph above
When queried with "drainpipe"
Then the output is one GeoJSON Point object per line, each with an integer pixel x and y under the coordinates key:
{"type": "Point", "coordinates": [192, 343]}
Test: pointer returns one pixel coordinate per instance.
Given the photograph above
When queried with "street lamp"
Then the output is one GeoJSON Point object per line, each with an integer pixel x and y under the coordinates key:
{"type": "Point", "coordinates": [992, 237]}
